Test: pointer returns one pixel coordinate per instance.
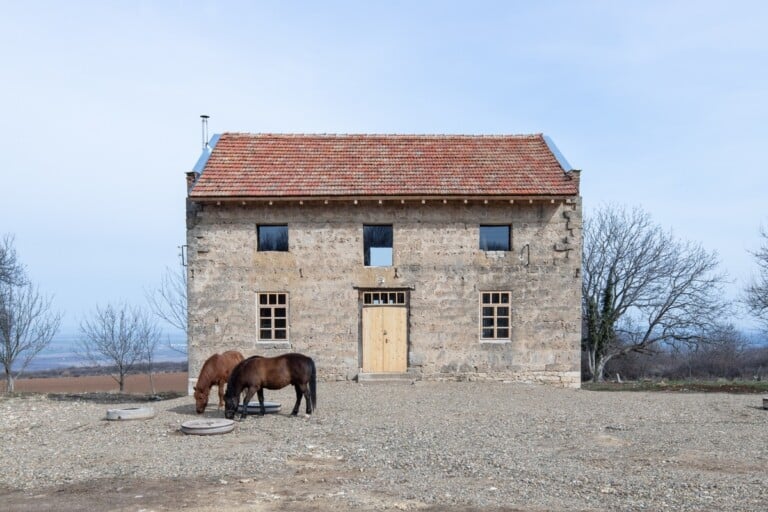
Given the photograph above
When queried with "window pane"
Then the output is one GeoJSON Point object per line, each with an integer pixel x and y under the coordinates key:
{"type": "Point", "coordinates": [379, 257]}
{"type": "Point", "coordinates": [280, 312]}
{"type": "Point", "coordinates": [265, 334]}
{"type": "Point", "coordinates": [280, 334]}
{"type": "Point", "coordinates": [265, 323]}
{"type": "Point", "coordinates": [494, 238]}
{"type": "Point", "coordinates": [487, 333]}
{"type": "Point", "coordinates": [281, 298]}
{"type": "Point", "coordinates": [503, 333]}
{"type": "Point", "coordinates": [262, 298]}
{"type": "Point", "coordinates": [273, 238]}
{"type": "Point", "coordinates": [265, 312]}
{"type": "Point", "coordinates": [280, 322]}
{"type": "Point", "coordinates": [487, 322]}
{"type": "Point", "coordinates": [486, 298]}
{"type": "Point", "coordinates": [487, 311]}
{"type": "Point", "coordinates": [502, 311]}
{"type": "Point", "coordinates": [401, 298]}
{"type": "Point", "coordinates": [502, 322]}
{"type": "Point", "coordinates": [495, 298]}
{"type": "Point", "coordinates": [505, 298]}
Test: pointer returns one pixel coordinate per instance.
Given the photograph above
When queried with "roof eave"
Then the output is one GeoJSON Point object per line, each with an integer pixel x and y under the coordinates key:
{"type": "Point", "coordinates": [389, 198]}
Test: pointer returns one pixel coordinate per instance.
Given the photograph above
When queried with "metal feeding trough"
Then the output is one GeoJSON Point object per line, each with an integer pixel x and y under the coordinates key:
{"type": "Point", "coordinates": [131, 413]}
{"type": "Point", "coordinates": [208, 426]}
{"type": "Point", "coordinates": [255, 408]}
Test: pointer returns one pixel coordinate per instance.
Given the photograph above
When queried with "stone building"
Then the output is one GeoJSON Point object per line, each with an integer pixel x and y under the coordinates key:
{"type": "Point", "coordinates": [434, 257]}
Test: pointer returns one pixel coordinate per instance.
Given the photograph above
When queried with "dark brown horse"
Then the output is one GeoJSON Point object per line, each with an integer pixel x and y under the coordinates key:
{"type": "Point", "coordinates": [215, 371]}
{"type": "Point", "coordinates": [255, 374]}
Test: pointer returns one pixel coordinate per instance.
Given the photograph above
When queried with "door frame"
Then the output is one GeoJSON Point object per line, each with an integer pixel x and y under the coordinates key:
{"type": "Point", "coordinates": [367, 299]}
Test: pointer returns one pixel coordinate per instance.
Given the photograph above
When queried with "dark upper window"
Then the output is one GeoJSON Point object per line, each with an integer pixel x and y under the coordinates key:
{"type": "Point", "coordinates": [495, 238]}
{"type": "Point", "coordinates": [273, 238]}
{"type": "Point", "coordinates": [377, 244]}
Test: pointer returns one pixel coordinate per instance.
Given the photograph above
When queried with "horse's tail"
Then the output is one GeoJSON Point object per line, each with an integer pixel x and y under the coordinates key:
{"type": "Point", "coordinates": [313, 384]}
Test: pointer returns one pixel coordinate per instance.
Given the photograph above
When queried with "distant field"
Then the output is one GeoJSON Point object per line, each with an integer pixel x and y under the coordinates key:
{"type": "Point", "coordinates": [678, 386]}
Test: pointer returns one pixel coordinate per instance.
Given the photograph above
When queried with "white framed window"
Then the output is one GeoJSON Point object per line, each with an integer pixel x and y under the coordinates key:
{"type": "Point", "coordinates": [272, 321]}
{"type": "Point", "coordinates": [495, 316]}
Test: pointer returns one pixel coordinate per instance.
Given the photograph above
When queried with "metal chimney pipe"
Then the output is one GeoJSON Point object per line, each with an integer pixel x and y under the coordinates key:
{"type": "Point", "coordinates": [204, 118]}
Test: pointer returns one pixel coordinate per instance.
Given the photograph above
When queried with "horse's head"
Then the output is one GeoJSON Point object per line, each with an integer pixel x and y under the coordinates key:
{"type": "Point", "coordinates": [230, 405]}
{"type": "Point", "coordinates": [201, 399]}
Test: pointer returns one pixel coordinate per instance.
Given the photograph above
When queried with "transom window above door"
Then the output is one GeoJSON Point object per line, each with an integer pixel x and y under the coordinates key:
{"type": "Point", "coordinates": [495, 238]}
{"type": "Point", "coordinates": [384, 298]}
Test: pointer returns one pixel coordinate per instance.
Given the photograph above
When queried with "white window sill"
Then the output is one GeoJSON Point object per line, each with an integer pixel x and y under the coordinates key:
{"type": "Point", "coordinates": [496, 254]}
{"type": "Point", "coordinates": [273, 344]}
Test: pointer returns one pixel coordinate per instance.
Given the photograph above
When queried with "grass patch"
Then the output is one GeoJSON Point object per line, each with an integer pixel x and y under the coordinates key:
{"type": "Point", "coordinates": [682, 386]}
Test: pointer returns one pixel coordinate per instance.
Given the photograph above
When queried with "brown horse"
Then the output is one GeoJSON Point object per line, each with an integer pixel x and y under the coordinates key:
{"type": "Point", "coordinates": [255, 374]}
{"type": "Point", "coordinates": [215, 371]}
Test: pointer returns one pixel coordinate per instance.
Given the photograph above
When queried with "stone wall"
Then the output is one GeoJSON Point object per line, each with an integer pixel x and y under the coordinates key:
{"type": "Point", "coordinates": [436, 256]}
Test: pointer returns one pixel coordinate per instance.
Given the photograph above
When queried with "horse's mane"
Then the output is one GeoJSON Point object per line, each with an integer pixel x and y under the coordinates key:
{"type": "Point", "coordinates": [235, 374]}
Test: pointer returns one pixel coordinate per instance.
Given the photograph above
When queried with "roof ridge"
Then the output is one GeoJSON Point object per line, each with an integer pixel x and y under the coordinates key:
{"type": "Point", "coordinates": [390, 135]}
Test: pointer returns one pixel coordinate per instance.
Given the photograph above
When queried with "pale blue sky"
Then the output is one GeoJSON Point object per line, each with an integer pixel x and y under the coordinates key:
{"type": "Point", "coordinates": [662, 104]}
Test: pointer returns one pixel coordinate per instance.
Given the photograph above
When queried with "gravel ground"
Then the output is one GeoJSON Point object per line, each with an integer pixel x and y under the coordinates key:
{"type": "Point", "coordinates": [384, 446]}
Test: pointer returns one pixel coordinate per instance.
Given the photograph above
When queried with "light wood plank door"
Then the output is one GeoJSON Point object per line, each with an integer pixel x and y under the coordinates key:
{"type": "Point", "coordinates": [385, 339]}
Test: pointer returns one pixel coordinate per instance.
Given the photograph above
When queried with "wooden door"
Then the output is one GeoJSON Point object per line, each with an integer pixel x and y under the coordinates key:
{"type": "Point", "coordinates": [385, 338]}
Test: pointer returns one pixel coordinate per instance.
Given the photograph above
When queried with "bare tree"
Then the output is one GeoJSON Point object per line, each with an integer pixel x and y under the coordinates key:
{"type": "Point", "coordinates": [120, 336]}
{"type": "Point", "coordinates": [756, 297]}
{"type": "Point", "coordinates": [642, 287]}
{"type": "Point", "coordinates": [169, 301]}
{"type": "Point", "coordinates": [27, 326]}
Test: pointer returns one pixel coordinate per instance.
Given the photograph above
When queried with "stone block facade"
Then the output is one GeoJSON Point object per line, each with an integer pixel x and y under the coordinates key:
{"type": "Point", "coordinates": [436, 260]}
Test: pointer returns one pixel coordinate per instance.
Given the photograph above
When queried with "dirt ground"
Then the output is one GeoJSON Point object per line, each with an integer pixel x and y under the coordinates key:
{"type": "Point", "coordinates": [300, 495]}
{"type": "Point", "coordinates": [399, 447]}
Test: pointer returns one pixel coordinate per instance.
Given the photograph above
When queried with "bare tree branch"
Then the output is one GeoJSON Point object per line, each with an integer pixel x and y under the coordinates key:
{"type": "Point", "coordinates": [11, 271]}
{"type": "Point", "coordinates": [756, 293]}
{"type": "Point", "coordinates": [169, 301]}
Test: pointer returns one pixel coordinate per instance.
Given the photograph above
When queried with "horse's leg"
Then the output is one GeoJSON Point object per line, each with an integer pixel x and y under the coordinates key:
{"type": "Point", "coordinates": [307, 398]}
{"type": "Point", "coordinates": [248, 395]}
{"type": "Point", "coordinates": [220, 385]}
{"type": "Point", "coordinates": [298, 400]}
{"type": "Point", "coordinates": [260, 392]}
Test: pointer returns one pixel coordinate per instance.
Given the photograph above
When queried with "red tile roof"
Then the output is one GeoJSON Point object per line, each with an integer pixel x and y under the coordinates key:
{"type": "Point", "coordinates": [280, 166]}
